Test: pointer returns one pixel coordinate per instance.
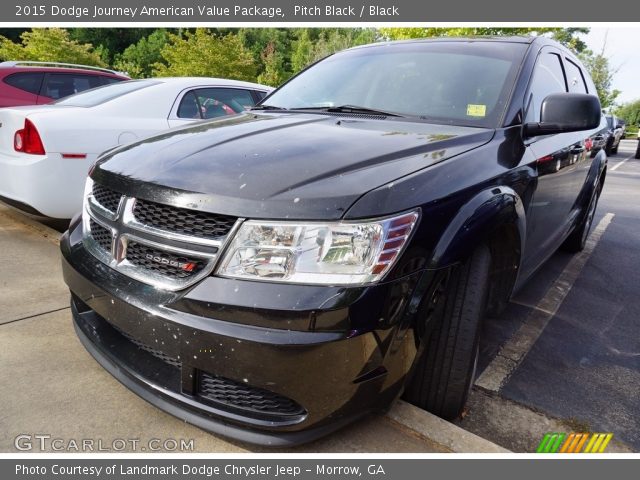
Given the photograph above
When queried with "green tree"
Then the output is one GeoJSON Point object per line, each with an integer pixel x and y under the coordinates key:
{"type": "Point", "coordinates": [274, 73]}
{"type": "Point", "coordinates": [201, 53]}
{"type": "Point", "coordinates": [602, 74]}
{"type": "Point", "coordinates": [49, 45]}
{"type": "Point", "coordinates": [138, 59]}
{"type": "Point", "coordinates": [109, 41]}
{"type": "Point", "coordinates": [314, 44]}
{"type": "Point", "coordinates": [629, 112]}
{"type": "Point", "coordinates": [566, 36]}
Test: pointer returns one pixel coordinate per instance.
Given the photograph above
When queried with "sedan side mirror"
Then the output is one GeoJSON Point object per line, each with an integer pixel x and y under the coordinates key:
{"type": "Point", "coordinates": [566, 112]}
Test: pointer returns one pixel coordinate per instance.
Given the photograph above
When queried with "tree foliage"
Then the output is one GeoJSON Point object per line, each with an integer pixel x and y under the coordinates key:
{"type": "Point", "coordinates": [629, 112]}
{"type": "Point", "coordinates": [566, 36]}
{"type": "Point", "coordinates": [602, 74]}
{"type": "Point", "coordinates": [138, 59]}
{"type": "Point", "coordinates": [49, 45]}
{"type": "Point", "coordinates": [202, 53]}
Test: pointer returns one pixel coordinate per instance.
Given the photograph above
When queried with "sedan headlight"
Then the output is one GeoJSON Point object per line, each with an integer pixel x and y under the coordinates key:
{"type": "Point", "coordinates": [317, 253]}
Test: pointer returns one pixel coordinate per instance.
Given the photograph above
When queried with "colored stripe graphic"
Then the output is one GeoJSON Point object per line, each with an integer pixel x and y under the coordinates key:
{"type": "Point", "coordinates": [574, 442]}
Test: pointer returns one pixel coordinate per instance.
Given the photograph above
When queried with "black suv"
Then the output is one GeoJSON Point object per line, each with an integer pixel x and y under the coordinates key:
{"type": "Point", "coordinates": [276, 274]}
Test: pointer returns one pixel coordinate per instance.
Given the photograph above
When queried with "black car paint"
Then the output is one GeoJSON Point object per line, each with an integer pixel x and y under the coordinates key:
{"type": "Point", "coordinates": [338, 351]}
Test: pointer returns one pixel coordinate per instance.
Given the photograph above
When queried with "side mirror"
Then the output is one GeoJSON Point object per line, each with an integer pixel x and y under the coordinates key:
{"type": "Point", "coordinates": [566, 112]}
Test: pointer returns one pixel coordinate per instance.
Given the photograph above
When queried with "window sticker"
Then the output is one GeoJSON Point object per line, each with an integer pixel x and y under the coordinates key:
{"type": "Point", "coordinates": [476, 110]}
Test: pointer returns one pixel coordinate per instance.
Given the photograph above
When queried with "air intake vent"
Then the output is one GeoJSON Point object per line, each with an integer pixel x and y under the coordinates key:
{"type": "Point", "coordinates": [245, 397]}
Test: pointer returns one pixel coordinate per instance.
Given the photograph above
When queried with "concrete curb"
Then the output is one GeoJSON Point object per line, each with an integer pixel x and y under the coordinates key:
{"type": "Point", "coordinates": [440, 431]}
{"type": "Point", "coordinates": [47, 233]}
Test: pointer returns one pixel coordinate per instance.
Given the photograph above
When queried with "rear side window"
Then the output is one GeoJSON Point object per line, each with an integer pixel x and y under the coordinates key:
{"type": "Point", "coordinates": [110, 80]}
{"type": "Point", "coordinates": [60, 85]}
{"type": "Point", "coordinates": [574, 78]}
{"type": "Point", "coordinates": [27, 81]}
{"type": "Point", "coordinates": [215, 102]}
{"type": "Point", "coordinates": [548, 78]}
{"type": "Point", "coordinates": [189, 107]}
{"type": "Point", "coordinates": [260, 94]}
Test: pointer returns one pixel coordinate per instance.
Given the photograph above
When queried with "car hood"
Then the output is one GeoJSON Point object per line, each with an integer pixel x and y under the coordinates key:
{"type": "Point", "coordinates": [280, 165]}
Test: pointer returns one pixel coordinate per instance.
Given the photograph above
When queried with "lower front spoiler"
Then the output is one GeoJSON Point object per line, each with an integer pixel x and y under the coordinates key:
{"type": "Point", "coordinates": [89, 335]}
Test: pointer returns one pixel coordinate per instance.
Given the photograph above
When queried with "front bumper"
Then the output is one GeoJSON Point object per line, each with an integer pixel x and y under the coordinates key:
{"type": "Point", "coordinates": [286, 367]}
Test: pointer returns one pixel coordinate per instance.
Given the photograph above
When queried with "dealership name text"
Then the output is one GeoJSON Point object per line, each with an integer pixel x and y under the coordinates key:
{"type": "Point", "coordinates": [206, 10]}
{"type": "Point", "coordinates": [202, 470]}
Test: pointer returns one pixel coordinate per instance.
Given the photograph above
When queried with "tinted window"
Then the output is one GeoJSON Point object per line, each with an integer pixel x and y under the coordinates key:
{"type": "Point", "coordinates": [260, 94]}
{"type": "Point", "coordinates": [215, 102]}
{"type": "Point", "coordinates": [110, 80]}
{"type": "Point", "coordinates": [189, 107]}
{"type": "Point", "coordinates": [60, 85]}
{"type": "Point", "coordinates": [464, 83]}
{"type": "Point", "coordinates": [548, 78]}
{"type": "Point", "coordinates": [106, 93]}
{"type": "Point", "coordinates": [27, 81]}
{"type": "Point", "coordinates": [574, 78]}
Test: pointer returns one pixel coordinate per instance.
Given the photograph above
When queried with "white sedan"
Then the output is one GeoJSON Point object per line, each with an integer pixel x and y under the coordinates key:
{"type": "Point", "coordinates": [46, 151]}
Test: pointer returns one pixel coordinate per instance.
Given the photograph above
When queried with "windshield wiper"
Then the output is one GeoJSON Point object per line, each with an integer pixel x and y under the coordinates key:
{"type": "Point", "coordinates": [267, 107]}
{"type": "Point", "coordinates": [353, 109]}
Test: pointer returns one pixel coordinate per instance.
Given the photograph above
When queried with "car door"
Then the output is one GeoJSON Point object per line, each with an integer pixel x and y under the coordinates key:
{"type": "Point", "coordinates": [211, 102]}
{"type": "Point", "coordinates": [559, 161]}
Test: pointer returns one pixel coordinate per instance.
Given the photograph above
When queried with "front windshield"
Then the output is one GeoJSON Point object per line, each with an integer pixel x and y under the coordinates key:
{"type": "Point", "coordinates": [461, 83]}
{"type": "Point", "coordinates": [97, 96]}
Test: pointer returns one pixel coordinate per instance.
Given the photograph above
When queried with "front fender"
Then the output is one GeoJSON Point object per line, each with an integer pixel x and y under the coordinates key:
{"type": "Point", "coordinates": [477, 221]}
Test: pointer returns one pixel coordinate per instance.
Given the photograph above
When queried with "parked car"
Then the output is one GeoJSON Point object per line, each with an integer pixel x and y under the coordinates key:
{"type": "Point", "coordinates": [615, 134]}
{"type": "Point", "coordinates": [623, 126]}
{"type": "Point", "coordinates": [46, 151]}
{"type": "Point", "coordinates": [39, 83]}
{"type": "Point", "coordinates": [278, 274]}
{"type": "Point", "coordinates": [637, 155]}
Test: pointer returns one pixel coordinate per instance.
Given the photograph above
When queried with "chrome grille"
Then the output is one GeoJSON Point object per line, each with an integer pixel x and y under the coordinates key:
{"type": "Point", "coordinates": [101, 235]}
{"type": "Point", "coordinates": [165, 246]}
{"type": "Point", "coordinates": [106, 197]}
{"type": "Point", "coordinates": [183, 221]}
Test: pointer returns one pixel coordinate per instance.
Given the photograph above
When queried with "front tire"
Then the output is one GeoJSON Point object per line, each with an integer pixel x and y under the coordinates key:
{"type": "Point", "coordinates": [445, 370]}
{"type": "Point", "coordinates": [577, 240]}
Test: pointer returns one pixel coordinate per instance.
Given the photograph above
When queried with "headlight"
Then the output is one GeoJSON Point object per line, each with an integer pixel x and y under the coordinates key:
{"type": "Point", "coordinates": [317, 253]}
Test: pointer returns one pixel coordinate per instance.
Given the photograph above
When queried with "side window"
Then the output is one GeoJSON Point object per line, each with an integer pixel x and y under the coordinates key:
{"type": "Point", "coordinates": [189, 107]}
{"type": "Point", "coordinates": [259, 95]}
{"type": "Point", "coordinates": [575, 78]}
{"type": "Point", "coordinates": [217, 102]}
{"type": "Point", "coordinates": [110, 80]}
{"type": "Point", "coordinates": [548, 78]}
{"type": "Point", "coordinates": [27, 81]}
{"type": "Point", "coordinates": [60, 85]}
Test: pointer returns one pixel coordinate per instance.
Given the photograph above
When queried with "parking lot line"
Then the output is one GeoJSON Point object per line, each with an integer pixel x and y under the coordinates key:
{"type": "Point", "coordinates": [516, 348]}
{"type": "Point", "coordinates": [617, 165]}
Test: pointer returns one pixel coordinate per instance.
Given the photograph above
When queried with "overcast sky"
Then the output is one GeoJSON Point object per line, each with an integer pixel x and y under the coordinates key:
{"type": "Point", "coordinates": [623, 50]}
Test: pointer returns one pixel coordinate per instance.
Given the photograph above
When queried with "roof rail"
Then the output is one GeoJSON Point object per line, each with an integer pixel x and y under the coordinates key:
{"type": "Point", "coordinates": [56, 64]}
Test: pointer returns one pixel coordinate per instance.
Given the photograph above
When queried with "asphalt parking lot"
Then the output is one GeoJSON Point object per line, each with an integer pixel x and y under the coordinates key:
{"type": "Point", "coordinates": [564, 357]}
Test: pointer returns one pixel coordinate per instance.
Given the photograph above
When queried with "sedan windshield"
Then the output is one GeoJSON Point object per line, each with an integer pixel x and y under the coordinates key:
{"type": "Point", "coordinates": [460, 83]}
{"type": "Point", "coordinates": [100, 95]}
